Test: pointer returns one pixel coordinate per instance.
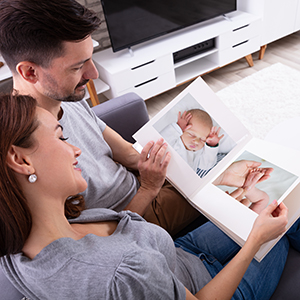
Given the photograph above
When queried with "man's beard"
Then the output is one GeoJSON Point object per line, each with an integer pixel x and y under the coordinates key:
{"type": "Point", "coordinates": [53, 94]}
{"type": "Point", "coordinates": [74, 97]}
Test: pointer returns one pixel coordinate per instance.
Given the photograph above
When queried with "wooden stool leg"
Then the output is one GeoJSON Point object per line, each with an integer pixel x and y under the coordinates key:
{"type": "Point", "coordinates": [262, 51]}
{"type": "Point", "coordinates": [92, 91]}
{"type": "Point", "coordinates": [249, 60]}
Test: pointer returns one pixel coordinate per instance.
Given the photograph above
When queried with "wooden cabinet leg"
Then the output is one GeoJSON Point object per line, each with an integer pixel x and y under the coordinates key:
{"type": "Point", "coordinates": [249, 60]}
{"type": "Point", "coordinates": [92, 91]}
{"type": "Point", "coordinates": [262, 51]}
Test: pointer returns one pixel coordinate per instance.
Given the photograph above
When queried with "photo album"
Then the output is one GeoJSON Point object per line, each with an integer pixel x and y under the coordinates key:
{"type": "Point", "coordinates": [209, 149]}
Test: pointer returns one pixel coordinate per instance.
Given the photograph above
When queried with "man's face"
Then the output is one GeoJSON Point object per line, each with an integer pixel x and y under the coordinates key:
{"type": "Point", "coordinates": [66, 77]}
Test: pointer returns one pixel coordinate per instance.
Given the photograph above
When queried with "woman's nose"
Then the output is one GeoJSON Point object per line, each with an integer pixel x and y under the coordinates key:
{"type": "Point", "coordinates": [77, 151]}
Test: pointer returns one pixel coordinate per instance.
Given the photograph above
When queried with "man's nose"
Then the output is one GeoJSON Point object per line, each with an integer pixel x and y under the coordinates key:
{"type": "Point", "coordinates": [91, 71]}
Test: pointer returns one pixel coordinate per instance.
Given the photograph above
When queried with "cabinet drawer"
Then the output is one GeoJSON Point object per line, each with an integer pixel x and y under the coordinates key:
{"type": "Point", "coordinates": [154, 68]}
{"type": "Point", "coordinates": [239, 34]}
{"type": "Point", "coordinates": [154, 86]}
{"type": "Point", "coordinates": [238, 51]}
{"type": "Point", "coordinates": [143, 72]}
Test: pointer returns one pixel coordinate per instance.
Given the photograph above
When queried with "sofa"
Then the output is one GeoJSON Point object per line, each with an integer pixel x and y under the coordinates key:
{"type": "Point", "coordinates": [126, 114]}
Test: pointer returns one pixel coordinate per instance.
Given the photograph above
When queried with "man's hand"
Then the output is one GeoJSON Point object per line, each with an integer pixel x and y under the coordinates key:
{"type": "Point", "coordinates": [183, 121]}
{"type": "Point", "coordinates": [236, 173]}
{"type": "Point", "coordinates": [153, 165]}
{"type": "Point", "coordinates": [213, 139]}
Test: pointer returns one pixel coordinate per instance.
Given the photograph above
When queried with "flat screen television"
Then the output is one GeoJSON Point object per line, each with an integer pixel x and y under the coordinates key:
{"type": "Point", "coordinates": [131, 22]}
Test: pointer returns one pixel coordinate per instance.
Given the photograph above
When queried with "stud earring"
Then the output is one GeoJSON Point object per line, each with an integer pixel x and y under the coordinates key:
{"type": "Point", "coordinates": [32, 178]}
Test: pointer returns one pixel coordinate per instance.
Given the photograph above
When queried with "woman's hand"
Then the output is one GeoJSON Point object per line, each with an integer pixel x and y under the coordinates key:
{"type": "Point", "coordinates": [270, 223]}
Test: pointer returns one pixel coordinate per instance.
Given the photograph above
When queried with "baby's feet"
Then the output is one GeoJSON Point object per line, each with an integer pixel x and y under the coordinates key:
{"type": "Point", "coordinates": [253, 177]}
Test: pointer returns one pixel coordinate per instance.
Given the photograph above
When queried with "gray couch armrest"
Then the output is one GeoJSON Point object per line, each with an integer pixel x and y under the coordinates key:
{"type": "Point", "coordinates": [124, 114]}
{"type": "Point", "coordinates": [6, 86]}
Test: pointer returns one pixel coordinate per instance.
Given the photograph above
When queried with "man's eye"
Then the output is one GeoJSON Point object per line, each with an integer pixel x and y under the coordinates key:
{"type": "Point", "coordinates": [77, 69]}
{"type": "Point", "coordinates": [63, 138]}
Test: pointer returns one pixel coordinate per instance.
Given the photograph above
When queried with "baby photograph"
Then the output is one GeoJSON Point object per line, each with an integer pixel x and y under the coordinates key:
{"type": "Point", "coordinates": [262, 185]}
{"type": "Point", "coordinates": [194, 135]}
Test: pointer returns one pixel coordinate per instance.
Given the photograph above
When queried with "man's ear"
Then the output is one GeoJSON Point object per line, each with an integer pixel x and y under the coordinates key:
{"type": "Point", "coordinates": [18, 161]}
{"type": "Point", "coordinates": [28, 71]}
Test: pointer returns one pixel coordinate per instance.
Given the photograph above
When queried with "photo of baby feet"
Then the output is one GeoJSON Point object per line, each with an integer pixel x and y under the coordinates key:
{"type": "Point", "coordinates": [253, 178]}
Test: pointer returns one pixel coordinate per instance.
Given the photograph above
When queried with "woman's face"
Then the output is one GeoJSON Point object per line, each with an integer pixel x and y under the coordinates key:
{"type": "Point", "coordinates": [54, 160]}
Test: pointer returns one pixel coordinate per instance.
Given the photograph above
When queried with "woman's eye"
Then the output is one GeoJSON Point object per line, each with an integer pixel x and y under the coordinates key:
{"type": "Point", "coordinates": [63, 138]}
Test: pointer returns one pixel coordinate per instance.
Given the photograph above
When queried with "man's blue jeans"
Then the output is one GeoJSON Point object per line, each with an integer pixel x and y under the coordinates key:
{"type": "Point", "coordinates": [216, 249]}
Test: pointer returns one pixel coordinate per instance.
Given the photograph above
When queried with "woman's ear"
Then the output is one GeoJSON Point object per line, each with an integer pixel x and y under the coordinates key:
{"type": "Point", "coordinates": [28, 71]}
{"type": "Point", "coordinates": [18, 161]}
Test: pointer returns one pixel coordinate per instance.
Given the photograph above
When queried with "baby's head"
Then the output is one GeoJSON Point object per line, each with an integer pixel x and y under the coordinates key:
{"type": "Point", "coordinates": [194, 138]}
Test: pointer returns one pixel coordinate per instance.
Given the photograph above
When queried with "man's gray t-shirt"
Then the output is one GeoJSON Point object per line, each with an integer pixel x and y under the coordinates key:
{"type": "Point", "coordinates": [110, 185]}
{"type": "Point", "coordinates": [138, 261]}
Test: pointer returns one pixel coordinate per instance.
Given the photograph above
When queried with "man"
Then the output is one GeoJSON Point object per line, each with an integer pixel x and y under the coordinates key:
{"type": "Point", "coordinates": [48, 47]}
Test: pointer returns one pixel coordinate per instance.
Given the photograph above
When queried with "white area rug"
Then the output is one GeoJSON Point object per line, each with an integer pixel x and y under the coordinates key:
{"type": "Point", "coordinates": [265, 99]}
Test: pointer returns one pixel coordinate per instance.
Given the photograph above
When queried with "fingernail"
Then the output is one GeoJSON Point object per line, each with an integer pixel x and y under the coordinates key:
{"type": "Point", "coordinates": [274, 202]}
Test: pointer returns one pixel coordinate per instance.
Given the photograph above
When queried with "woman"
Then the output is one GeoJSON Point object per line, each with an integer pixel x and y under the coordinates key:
{"type": "Point", "coordinates": [101, 253]}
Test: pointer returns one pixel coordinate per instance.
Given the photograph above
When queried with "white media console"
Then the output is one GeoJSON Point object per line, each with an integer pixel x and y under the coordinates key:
{"type": "Point", "coordinates": [279, 18]}
{"type": "Point", "coordinates": [149, 68]}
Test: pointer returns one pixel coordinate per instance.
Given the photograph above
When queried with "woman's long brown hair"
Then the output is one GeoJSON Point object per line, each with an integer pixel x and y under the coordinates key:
{"type": "Point", "coordinates": [17, 123]}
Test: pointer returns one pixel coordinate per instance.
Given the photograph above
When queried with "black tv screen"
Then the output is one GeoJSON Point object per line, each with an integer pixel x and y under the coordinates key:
{"type": "Point", "coordinates": [131, 22]}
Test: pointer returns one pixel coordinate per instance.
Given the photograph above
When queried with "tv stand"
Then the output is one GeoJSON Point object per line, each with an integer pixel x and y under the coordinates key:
{"type": "Point", "coordinates": [173, 59]}
{"type": "Point", "coordinates": [227, 18]}
{"type": "Point", "coordinates": [130, 52]}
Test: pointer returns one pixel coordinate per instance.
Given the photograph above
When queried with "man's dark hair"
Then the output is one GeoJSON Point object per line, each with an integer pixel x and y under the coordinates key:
{"type": "Point", "coordinates": [34, 30]}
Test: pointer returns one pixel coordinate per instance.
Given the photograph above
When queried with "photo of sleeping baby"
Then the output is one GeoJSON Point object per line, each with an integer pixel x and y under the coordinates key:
{"type": "Point", "coordinates": [194, 135]}
{"type": "Point", "coordinates": [264, 183]}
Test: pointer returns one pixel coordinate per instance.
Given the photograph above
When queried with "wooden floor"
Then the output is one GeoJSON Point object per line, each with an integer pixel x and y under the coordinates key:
{"type": "Point", "coordinates": [285, 51]}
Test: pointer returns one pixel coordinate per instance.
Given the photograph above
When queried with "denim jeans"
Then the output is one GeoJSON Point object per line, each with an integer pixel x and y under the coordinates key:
{"type": "Point", "coordinates": [216, 249]}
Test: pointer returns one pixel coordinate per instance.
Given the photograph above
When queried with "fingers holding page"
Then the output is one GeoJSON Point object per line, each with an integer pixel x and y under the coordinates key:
{"type": "Point", "coordinates": [270, 223]}
{"type": "Point", "coordinates": [280, 210]}
{"type": "Point", "coordinates": [153, 164]}
{"type": "Point", "coordinates": [155, 154]}
{"type": "Point", "coordinates": [158, 151]}
{"type": "Point", "coordinates": [145, 153]}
